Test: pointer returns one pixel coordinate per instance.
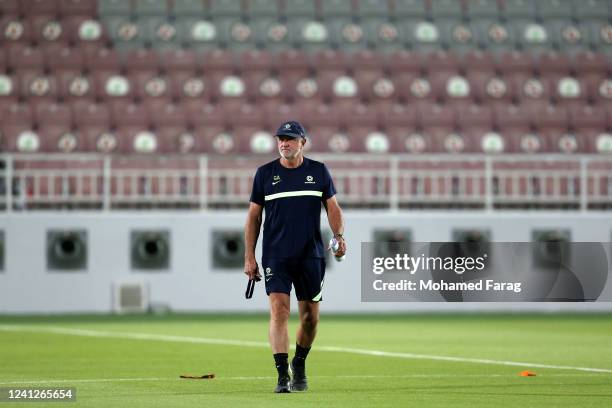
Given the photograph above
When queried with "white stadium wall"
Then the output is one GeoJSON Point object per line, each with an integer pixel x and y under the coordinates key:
{"type": "Point", "coordinates": [191, 283]}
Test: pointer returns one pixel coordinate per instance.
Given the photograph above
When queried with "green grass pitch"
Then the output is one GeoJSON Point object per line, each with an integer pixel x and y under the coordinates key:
{"type": "Point", "coordinates": [135, 361]}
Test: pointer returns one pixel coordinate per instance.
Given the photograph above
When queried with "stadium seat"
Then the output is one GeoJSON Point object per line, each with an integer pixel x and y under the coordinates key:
{"type": "Point", "coordinates": [308, 34]}
{"type": "Point", "coordinates": [200, 115]}
{"type": "Point", "coordinates": [434, 116]}
{"type": "Point", "coordinates": [301, 8]}
{"type": "Point", "coordinates": [553, 117]}
{"type": "Point", "coordinates": [475, 118]}
{"type": "Point", "coordinates": [269, 33]}
{"type": "Point", "coordinates": [234, 34]}
{"type": "Point", "coordinates": [194, 8]}
{"type": "Point", "coordinates": [178, 60]}
{"type": "Point", "coordinates": [420, 35]}
{"type": "Point", "coordinates": [114, 8]}
{"type": "Point", "coordinates": [296, 74]}
{"type": "Point", "coordinates": [125, 32]}
{"type": "Point", "coordinates": [90, 114]}
{"type": "Point", "coordinates": [330, 66]}
{"type": "Point", "coordinates": [78, 7]}
{"type": "Point", "coordinates": [532, 36]}
{"type": "Point", "coordinates": [225, 8]}
{"type": "Point", "coordinates": [149, 85]}
{"type": "Point", "coordinates": [22, 56]}
{"type": "Point", "coordinates": [590, 10]}
{"type": "Point", "coordinates": [141, 60]}
{"type": "Point", "coordinates": [48, 29]}
{"type": "Point", "coordinates": [257, 69]}
{"type": "Point", "coordinates": [158, 32]}
{"type": "Point", "coordinates": [10, 7]}
{"type": "Point", "coordinates": [35, 84]}
{"type": "Point", "coordinates": [401, 126]}
{"type": "Point", "coordinates": [196, 32]}
{"type": "Point", "coordinates": [110, 85]}
{"type": "Point", "coordinates": [554, 9]}
{"type": "Point", "coordinates": [165, 114]}
{"type": "Point", "coordinates": [402, 61]}
{"type": "Point", "coordinates": [93, 121]}
{"type": "Point", "coordinates": [600, 36]}
{"type": "Point", "coordinates": [9, 90]}
{"type": "Point", "coordinates": [533, 91]}
{"type": "Point", "coordinates": [86, 31]}
{"type": "Point", "coordinates": [493, 35]}
{"type": "Point", "coordinates": [346, 35]}
{"type": "Point", "coordinates": [566, 36]}
{"type": "Point", "coordinates": [130, 116]}
{"type": "Point", "coordinates": [518, 9]}
{"type": "Point", "coordinates": [151, 8]}
{"type": "Point", "coordinates": [338, 8]}
{"type": "Point", "coordinates": [14, 29]}
{"type": "Point", "coordinates": [482, 9]}
{"type": "Point", "coordinates": [513, 63]}
{"type": "Point", "coordinates": [284, 112]}
{"type": "Point", "coordinates": [74, 85]}
{"type": "Point", "coordinates": [444, 9]}
{"type": "Point", "coordinates": [191, 86]}
{"type": "Point", "coordinates": [102, 59]}
{"type": "Point", "coordinates": [457, 35]}
{"type": "Point", "coordinates": [51, 113]}
{"type": "Point", "coordinates": [382, 35]}
{"type": "Point", "coordinates": [589, 122]}
{"type": "Point", "coordinates": [18, 118]}
{"type": "Point", "coordinates": [372, 80]}
{"type": "Point", "coordinates": [61, 57]}
{"type": "Point", "coordinates": [263, 8]}
{"type": "Point", "coordinates": [410, 8]}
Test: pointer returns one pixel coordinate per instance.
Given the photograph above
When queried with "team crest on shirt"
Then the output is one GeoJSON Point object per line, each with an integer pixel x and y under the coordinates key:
{"type": "Point", "coordinates": [310, 180]}
{"type": "Point", "coordinates": [276, 180]}
{"type": "Point", "coordinates": [268, 274]}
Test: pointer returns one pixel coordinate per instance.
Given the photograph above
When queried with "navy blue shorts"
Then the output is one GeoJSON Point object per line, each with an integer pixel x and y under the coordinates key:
{"type": "Point", "coordinates": [306, 276]}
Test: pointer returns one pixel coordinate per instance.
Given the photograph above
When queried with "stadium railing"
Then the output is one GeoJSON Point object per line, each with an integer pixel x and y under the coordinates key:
{"type": "Point", "coordinates": [31, 182]}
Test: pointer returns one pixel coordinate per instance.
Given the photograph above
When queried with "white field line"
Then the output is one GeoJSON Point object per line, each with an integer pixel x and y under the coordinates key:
{"type": "Point", "coordinates": [266, 378]}
{"type": "Point", "coordinates": [244, 343]}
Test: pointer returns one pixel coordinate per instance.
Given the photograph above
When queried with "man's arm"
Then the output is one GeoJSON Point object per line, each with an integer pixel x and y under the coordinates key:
{"type": "Point", "coordinates": [336, 222]}
{"type": "Point", "coordinates": [251, 233]}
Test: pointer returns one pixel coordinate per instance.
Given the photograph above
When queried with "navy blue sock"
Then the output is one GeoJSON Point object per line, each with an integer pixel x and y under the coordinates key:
{"type": "Point", "coordinates": [282, 366]}
{"type": "Point", "coordinates": [299, 360]}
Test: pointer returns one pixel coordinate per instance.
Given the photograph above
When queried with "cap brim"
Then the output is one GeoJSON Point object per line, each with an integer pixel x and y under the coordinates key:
{"type": "Point", "coordinates": [289, 135]}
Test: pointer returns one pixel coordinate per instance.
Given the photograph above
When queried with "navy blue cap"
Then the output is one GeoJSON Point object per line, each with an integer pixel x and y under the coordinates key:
{"type": "Point", "coordinates": [291, 129]}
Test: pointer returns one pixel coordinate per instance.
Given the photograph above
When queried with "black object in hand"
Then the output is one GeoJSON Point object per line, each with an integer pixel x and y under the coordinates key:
{"type": "Point", "coordinates": [250, 288]}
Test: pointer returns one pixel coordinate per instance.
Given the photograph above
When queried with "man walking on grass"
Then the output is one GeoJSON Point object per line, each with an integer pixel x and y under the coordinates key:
{"type": "Point", "coordinates": [291, 189]}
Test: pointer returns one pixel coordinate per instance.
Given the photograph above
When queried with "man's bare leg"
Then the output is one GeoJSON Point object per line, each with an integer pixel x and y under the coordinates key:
{"type": "Point", "coordinates": [309, 319]}
{"type": "Point", "coordinates": [279, 337]}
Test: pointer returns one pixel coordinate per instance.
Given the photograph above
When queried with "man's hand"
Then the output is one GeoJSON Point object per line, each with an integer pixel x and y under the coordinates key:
{"type": "Point", "coordinates": [251, 269]}
{"type": "Point", "coordinates": [342, 246]}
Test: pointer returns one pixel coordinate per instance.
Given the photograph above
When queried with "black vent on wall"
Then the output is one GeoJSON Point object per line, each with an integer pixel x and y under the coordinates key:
{"type": "Point", "coordinates": [391, 241]}
{"type": "Point", "coordinates": [228, 249]}
{"type": "Point", "coordinates": [150, 249]}
{"type": "Point", "coordinates": [551, 248]}
{"type": "Point", "coordinates": [66, 250]}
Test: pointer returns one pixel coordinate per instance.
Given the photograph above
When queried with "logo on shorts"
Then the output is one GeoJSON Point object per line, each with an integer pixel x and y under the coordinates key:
{"type": "Point", "coordinates": [310, 180]}
{"type": "Point", "coordinates": [268, 274]}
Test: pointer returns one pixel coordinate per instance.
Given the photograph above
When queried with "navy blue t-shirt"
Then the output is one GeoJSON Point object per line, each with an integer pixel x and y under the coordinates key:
{"type": "Point", "coordinates": [292, 203]}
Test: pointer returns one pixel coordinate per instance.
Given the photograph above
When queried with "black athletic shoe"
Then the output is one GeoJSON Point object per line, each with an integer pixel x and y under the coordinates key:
{"type": "Point", "coordinates": [298, 378]}
{"type": "Point", "coordinates": [283, 385]}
